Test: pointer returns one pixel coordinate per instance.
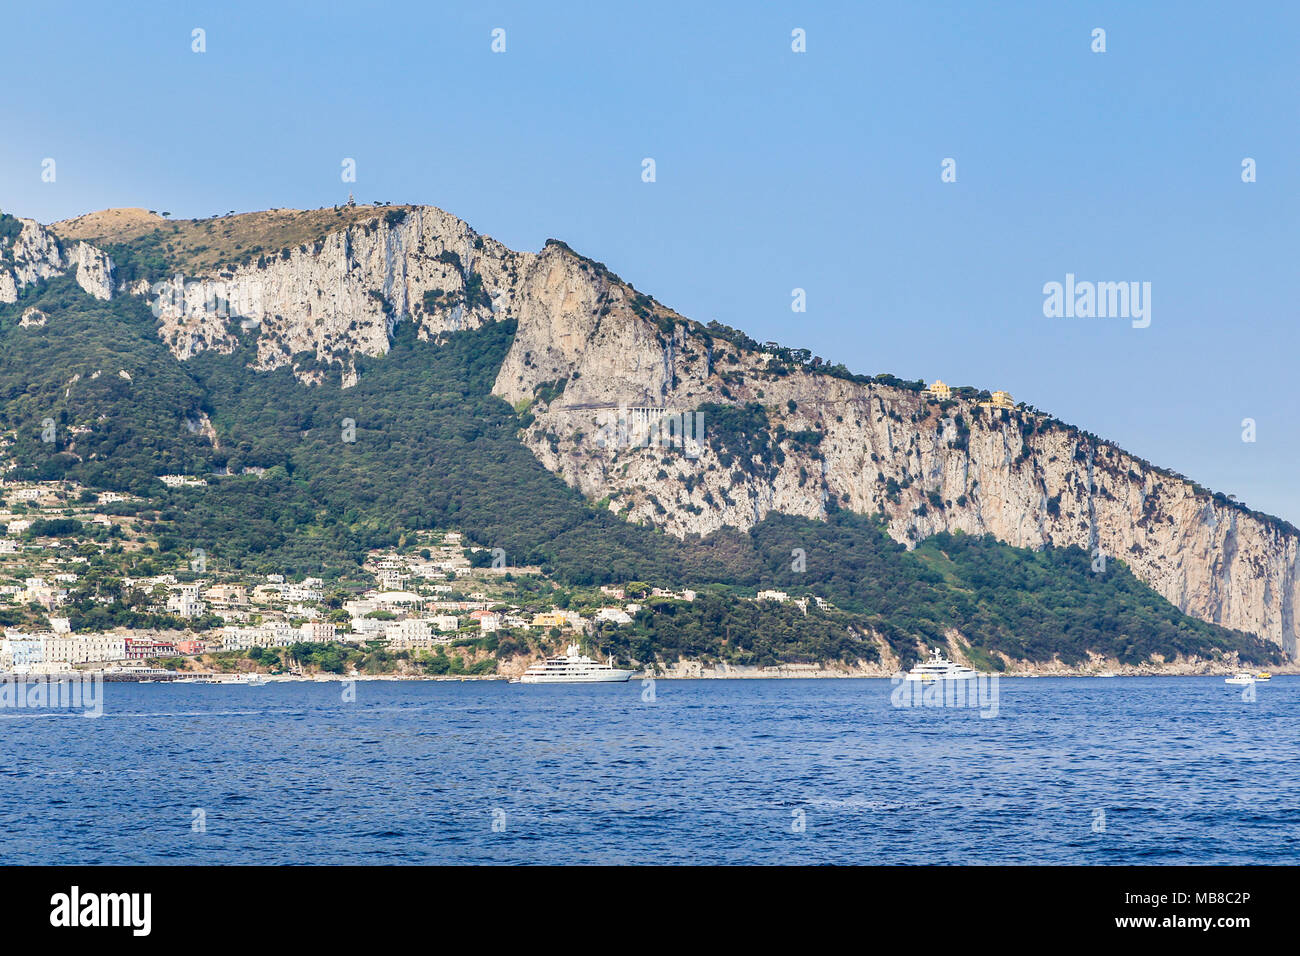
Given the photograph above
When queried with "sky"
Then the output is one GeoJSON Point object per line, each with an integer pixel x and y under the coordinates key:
{"type": "Point", "coordinates": [775, 170]}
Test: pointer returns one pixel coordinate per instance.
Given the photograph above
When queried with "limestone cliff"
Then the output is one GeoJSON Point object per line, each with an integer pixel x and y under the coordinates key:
{"type": "Point", "coordinates": [599, 366]}
{"type": "Point", "coordinates": [926, 466]}
{"type": "Point", "coordinates": [36, 253]}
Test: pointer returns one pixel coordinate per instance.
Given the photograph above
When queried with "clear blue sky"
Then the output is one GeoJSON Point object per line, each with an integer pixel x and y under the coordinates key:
{"type": "Point", "coordinates": [775, 170]}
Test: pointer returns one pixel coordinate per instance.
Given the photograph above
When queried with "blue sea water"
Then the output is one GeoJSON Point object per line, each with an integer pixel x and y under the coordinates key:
{"type": "Point", "coordinates": [744, 771]}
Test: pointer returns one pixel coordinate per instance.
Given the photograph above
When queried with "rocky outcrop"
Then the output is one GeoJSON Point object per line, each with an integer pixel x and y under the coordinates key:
{"type": "Point", "coordinates": [36, 254]}
{"type": "Point", "coordinates": [600, 367]}
{"type": "Point", "coordinates": [343, 294]}
{"type": "Point", "coordinates": [94, 270]}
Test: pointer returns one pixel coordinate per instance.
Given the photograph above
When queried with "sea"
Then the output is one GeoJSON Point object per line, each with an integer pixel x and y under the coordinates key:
{"type": "Point", "coordinates": [1158, 770]}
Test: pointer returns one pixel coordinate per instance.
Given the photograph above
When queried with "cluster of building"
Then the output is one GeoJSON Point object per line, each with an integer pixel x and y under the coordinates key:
{"type": "Point", "coordinates": [182, 481]}
{"type": "Point", "coordinates": [277, 634]}
{"type": "Point", "coordinates": [420, 600]}
{"type": "Point", "coordinates": [943, 392]}
{"type": "Point", "coordinates": [52, 651]}
{"type": "Point", "coordinates": [780, 597]}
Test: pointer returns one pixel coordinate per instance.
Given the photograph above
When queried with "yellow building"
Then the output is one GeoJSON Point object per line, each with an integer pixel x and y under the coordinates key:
{"type": "Point", "coordinates": [939, 390]}
{"type": "Point", "coordinates": [1000, 399]}
{"type": "Point", "coordinates": [549, 620]}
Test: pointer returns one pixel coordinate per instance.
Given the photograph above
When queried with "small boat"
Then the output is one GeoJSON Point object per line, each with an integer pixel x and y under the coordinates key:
{"type": "Point", "coordinates": [939, 667]}
{"type": "Point", "coordinates": [1242, 678]}
{"type": "Point", "coordinates": [1106, 674]}
{"type": "Point", "coordinates": [574, 668]}
{"type": "Point", "coordinates": [1263, 675]}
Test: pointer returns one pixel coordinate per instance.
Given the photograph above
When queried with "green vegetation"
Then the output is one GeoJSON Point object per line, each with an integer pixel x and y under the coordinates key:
{"type": "Point", "coordinates": [10, 228]}
{"type": "Point", "coordinates": [716, 627]}
{"type": "Point", "coordinates": [335, 658]}
{"type": "Point", "coordinates": [54, 528]}
{"type": "Point", "coordinates": [1030, 605]}
{"type": "Point", "coordinates": [65, 376]}
{"type": "Point", "coordinates": [740, 434]}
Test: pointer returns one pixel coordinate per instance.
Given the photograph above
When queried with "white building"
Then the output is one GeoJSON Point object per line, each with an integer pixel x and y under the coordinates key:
{"type": "Point", "coordinates": [241, 638]}
{"type": "Point", "coordinates": [391, 579]}
{"type": "Point", "coordinates": [308, 590]}
{"type": "Point", "coordinates": [409, 635]}
{"type": "Point", "coordinates": [779, 596]}
{"type": "Point", "coordinates": [412, 629]}
{"type": "Point", "coordinates": [185, 604]}
{"type": "Point", "coordinates": [282, 633]}
{"type": "Point", "coordinates": [371, 626]}
{"type": "Point", "coordinates": [82, 649]}
{"type": "Point", "coordinates": [20, 651]}
{"type": "Point", "coordinates": [446, 622]}
{"type": "Point", "coordinates": [614, 615]}
{"type": "Point", "coordinates": [182, 481]}
{"type": "Point", "coordinates": [274, 634]}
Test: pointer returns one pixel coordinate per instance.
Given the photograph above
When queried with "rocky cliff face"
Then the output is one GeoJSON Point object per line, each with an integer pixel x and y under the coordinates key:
{"type": "Point", "coordinates": [36, 254]}
{"type": "Point", "coordinates": [343, 294]}
{"type": "Point", "coordinates": [925, 466]}
{"type": "Point", "coordinates": [601, 366]}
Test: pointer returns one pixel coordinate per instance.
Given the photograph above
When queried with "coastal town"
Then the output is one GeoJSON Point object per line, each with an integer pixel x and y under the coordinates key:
{"type": "Point", "coordinates": [438, 607]}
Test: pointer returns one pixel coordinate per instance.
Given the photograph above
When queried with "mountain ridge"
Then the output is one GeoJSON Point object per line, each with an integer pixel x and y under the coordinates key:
{"type": "Point", "coordinates": [793, 438]}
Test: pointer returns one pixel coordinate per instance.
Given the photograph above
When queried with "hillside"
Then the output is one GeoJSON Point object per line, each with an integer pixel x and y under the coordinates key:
{"type": "Point", "coordinates": [557, 344]}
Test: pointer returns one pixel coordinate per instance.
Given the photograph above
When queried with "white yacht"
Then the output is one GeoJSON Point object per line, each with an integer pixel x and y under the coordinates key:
{"type": "Point", "coordinates": [1242, 678]}
{"type": "Point", "coordinates": [573, 668]}
{"type": "Point", "coordinates": [939, 667]}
